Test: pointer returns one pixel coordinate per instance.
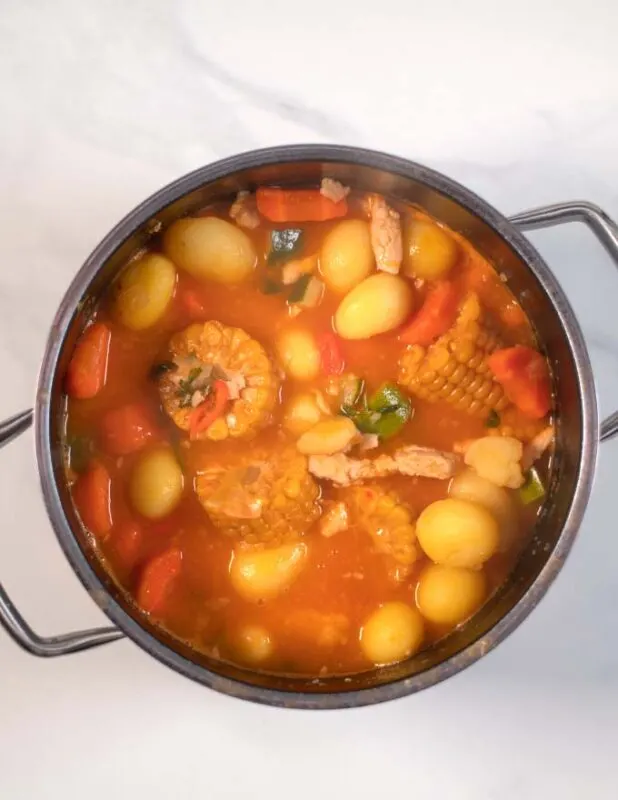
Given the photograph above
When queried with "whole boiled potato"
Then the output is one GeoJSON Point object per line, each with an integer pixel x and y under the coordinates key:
{"type": "Point", "coordinates": [264, 574]}
{"type": "Point", "coordinates": [156, 483]}
{"type": "Point", "coordinates": [429, 251]}
{"type": "Point", "coordinates": [328, 436]}
{"type": "Point", "coordinates": [346, 257]}
{"type": "Point", "coordinates": [393, 632]}
{"type": "Point", "coordinates": [457, 533]}
{"type": "Point", "coordinates": [144, 291]}
{"type": "Point", "coordinates": [449, 595]}
{"type": "Point", "coordinates": [469, 485]}
{"type": "Point", "coordinates": [210, 248]}
{"type": "Point", "coordinates": [301, 412]}
{"type": "Point", "coordinates": [298, 353]}
{"type": "Point", "coordinates": [378, 304]}
{"type": "Point", "coordinates": [252, 643]}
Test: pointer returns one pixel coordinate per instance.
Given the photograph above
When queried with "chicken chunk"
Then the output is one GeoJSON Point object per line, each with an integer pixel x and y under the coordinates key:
{"type": "Point", "coordinates": [386, 238]}
{"type": "Point", "coordinates": [244, 211]}
{"type": "Point", "coordinates": [410, 460]}
{"type": "Point", "coordinates": [535, 449]}
{"type": "Point", "coordinates": [210, 351]}
{"type": "Point", "coordinates": [260, 498]}
{"type": "Point", "coordinates": [294, 270]}
{"type": "Point", "coordinates": [333, 190]}
{"type": "Point", "coordinates": [334, 520]}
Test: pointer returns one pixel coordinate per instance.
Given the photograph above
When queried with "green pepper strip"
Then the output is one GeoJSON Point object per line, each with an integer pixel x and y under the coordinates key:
{"type": "Point", "coordinates": [385, 413]}
{"type": "Point", "coordinates": [533, 488]}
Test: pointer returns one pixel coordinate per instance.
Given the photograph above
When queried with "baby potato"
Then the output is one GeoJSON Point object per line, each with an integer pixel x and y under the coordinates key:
{"type": "Point", "coordinates": [252, 643]}
{"type": "Point", "coordinates": [298, 353]}
{"type": "Point", "coordinates": [144, 291]}
{"type": "Point", "coordinates": [210, 249]}
{"type": "Point", "coordinates": [327, 437]}
{"type": "Point", "coordinates": [393, 632]}
{"type": "Point", "coordinates": [449, 595]}
{"type": "Point", "coordinates": [469, 485]}
{"type": "Point", "coordinates": [429, 251]}
{"type": "Point", "coordinates": [378, 304]}
{"type": "Point", "coordinates": [156, 483]}
{"type": "Point", "coordinates": [301, 413]}
{"type": "Point", "coordinates": [457, 533]}
{"type": "Point", "coordinates": [263, 574]}
{"type": "Point", "coordinates": [346, 257]}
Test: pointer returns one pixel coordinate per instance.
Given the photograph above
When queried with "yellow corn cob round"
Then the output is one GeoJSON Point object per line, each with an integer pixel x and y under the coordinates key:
{"type": "Point", "coordinates": [387, 520]}
{"type": "Point", "coordinates": [261, 499]}
{"type": "Point", "coordinates": [231, 349]}
{"type": "Point", "coordinates": [454, 368]}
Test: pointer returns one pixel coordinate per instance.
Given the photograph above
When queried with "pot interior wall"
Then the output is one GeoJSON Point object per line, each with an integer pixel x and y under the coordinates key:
{"type": "Point", "coordinates": [430, 194]}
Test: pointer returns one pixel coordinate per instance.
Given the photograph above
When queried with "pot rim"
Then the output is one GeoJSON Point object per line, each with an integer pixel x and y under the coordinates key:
{"type": "Point", "coordinates": [354, 156]}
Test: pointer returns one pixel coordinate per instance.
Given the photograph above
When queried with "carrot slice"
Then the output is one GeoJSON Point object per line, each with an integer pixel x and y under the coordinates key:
{"type": "Point", "coordinates": [204, 415]}
{"type": "Point", "coordinates": [157, 579]}
{"type": "Point", "coordinates": [91, 495]}
{"type": "Point", "coordinates": [191, 302]}
{"type": "Point", "coordinates": [298, 205]}
{"type": "Point", "coordinates": [435, 316]}
{"type": "Point", "coordinates": [127, 429]}
{"type": "Point", "coordinates": [126, 539]}
{"type": "Point", "coordinates": [524, 375]}
{"type": "Point", "coordinates": [88, 367]}
{"type": "Point", "coordinates": [331, 357]}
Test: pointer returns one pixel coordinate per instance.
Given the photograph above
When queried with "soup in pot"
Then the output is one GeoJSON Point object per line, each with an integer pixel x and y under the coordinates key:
{"type": "Point", "coordinates": [308, 431]}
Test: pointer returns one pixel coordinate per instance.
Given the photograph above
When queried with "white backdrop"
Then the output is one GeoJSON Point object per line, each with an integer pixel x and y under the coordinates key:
{"type": "Point", "coordinates": [101, 104]}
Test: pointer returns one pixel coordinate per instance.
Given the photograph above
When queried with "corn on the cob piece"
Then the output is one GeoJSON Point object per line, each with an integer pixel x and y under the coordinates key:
{"type": "Point", "coordinates": [454, 368]}
{"type": "Point", "coordinates": [203, 346]}
{"type": "Point", "coordinates": [516, 424]}
{"type": "Point", "coordinates": [262, 498]}
{"type": "Point", "coordinates": [388, 521]}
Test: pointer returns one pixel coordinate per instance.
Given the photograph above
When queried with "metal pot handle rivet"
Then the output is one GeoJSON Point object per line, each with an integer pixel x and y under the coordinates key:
{"type": "Point", "coordinates": [12, 620]}
{"type": "Point", "coordinates": [606, 231]}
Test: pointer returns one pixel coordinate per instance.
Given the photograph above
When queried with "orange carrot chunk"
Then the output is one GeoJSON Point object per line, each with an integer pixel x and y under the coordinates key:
{"type": "Point", "coordinates": [298, 205]}
{"type": "Point", "coordinates": [126, 539]}
{"type": "Point", "coordinates": [88, 367]}
{"type": "Point", "coordinates": [435, 316]}
{"type": "Point", "coordinates": [157, 579]}
{"type": "Point", "coordinates": [524, 375]}
{"type": "Point", "coordinates": [127, 429]}
{"type": "Point", "coordinates": [191, 302]}
{"type": "Point", "coordinates": [211, 409]}
{"type": "Point", "coordinates": [91, 496]}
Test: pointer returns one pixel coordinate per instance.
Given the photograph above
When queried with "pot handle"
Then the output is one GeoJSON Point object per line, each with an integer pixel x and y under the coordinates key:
{"type": "Point", "coordinates": [12, 620]}
{"type": "Point", "coordinates": [606, 231]}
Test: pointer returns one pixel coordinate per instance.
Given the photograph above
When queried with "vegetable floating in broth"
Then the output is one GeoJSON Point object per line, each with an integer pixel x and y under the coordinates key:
{"type": "Point", "coordinates": [316, 430]}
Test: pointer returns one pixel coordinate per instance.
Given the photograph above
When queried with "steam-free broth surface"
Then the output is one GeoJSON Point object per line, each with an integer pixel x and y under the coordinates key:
{"type": "Point", "coordinates": [256, 442]}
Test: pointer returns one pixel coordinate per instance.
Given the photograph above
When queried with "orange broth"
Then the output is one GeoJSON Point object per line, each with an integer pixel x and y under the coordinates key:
{"type": "Point", "coordinates": [344, 575]}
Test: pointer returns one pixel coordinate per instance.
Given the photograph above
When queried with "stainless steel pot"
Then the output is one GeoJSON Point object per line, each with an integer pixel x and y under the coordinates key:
{"type": "Point", "coordinates": [542, 298]}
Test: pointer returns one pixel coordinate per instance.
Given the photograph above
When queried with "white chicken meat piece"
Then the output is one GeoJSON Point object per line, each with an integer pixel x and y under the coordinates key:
{"type": "Point", "coordinates": [411, 460]}
{"type": "Point", "coordinates": [244, 211]}
{"type": "Point", "coordinates": [386, 238]}
{"type": "Point", "coordinates": [333, 190]}
{"type": "Point", "coordinates": [535, 449]}
{"type": "Point", "coordinates": [335, 520]}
